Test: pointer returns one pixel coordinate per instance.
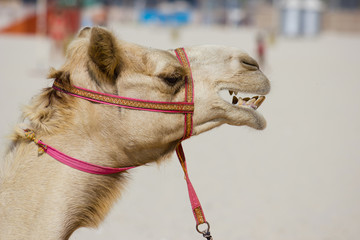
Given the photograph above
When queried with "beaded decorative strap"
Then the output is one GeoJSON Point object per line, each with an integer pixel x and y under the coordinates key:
{"type": "Point", "coordinates": [189, 97]}
{"type": "Point", "coordinates": [124, 102]}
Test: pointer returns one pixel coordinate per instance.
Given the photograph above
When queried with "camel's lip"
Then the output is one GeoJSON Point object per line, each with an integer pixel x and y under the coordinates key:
{"type": "Point", "coordinates": [241, 99]}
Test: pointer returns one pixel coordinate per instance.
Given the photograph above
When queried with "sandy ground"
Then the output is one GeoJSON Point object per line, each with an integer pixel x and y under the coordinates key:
{"type": "Point", "coordinates": [297, 180]}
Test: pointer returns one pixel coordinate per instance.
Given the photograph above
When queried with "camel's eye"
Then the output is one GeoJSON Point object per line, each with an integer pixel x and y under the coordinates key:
{"type": "Point", "coordinates": [172, 80]}
{"type": "Point", "coordinates": [173, 75]}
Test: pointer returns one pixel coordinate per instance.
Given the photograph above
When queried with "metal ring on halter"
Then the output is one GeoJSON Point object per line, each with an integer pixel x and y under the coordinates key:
{"type": "Point", "coordinates": [205, 231]}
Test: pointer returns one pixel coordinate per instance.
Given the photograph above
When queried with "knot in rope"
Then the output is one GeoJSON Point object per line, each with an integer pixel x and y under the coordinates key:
{"type": "Point", "coordinates": [30, 134]}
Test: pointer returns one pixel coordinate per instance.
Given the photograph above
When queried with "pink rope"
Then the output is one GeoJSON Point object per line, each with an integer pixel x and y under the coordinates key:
{"type": "Point", "coordinates": [81, 165]}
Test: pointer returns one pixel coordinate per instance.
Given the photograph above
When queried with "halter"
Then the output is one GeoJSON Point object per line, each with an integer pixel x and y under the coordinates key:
{"type": "Point", "coordinates": [186, 108]}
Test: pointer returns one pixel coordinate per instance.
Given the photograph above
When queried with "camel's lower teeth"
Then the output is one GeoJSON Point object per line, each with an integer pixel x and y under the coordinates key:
{"type": "Point", "coordinates": [248, 101]}
{"type": "Point", "coordinates": [235, 100]}
{"type": "Point", "coordinates": [253, 102]}
{"type": "Point", "coordinates": [259, 101]}
{"type": "Point", "coordinates": [241, 101]}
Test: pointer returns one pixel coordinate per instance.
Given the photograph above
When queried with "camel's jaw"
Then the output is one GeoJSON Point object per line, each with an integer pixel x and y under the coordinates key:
{"type": "Point", "coordinates": [242, 108]}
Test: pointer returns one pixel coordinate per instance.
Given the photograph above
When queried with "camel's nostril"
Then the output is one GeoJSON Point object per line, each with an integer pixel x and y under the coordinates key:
{"type": "Point", "coordinates": [250, 64]}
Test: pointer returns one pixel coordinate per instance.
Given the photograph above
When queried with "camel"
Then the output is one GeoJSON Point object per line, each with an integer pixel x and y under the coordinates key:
{"type": "Point", "coordinates": [41, 198]}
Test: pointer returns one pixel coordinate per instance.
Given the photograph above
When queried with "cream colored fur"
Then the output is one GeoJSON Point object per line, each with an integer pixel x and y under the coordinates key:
{"type": "Point", "coordinates": [41, 198]}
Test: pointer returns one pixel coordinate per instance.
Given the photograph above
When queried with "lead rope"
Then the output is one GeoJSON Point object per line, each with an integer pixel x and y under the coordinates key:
{"type": "Point", "coordinates": [189, 97]}
{"type": "Point", "coordinates": [194, 200]}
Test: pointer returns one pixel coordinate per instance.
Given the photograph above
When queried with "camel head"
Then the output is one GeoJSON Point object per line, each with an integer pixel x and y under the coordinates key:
{"type": "Point", "coordinates": [97, 60]}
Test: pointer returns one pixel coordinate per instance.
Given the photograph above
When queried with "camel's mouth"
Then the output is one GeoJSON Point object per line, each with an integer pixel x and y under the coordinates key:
{"type": "Point", "coordinates": [241, 99]}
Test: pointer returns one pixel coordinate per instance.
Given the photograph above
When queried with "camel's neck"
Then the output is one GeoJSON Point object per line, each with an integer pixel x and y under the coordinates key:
{"type": "Point", "coordinates": [41, 198]}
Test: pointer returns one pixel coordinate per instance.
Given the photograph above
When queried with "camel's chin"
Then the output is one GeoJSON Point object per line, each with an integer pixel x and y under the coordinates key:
{"type": "Point", "coordinates": [258, 121]}
{"type": "Point", "coordinates": [246, 117]}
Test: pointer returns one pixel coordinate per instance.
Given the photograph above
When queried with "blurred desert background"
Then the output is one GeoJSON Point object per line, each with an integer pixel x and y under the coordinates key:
{"type": "Point", "coordinates": [299, 179]}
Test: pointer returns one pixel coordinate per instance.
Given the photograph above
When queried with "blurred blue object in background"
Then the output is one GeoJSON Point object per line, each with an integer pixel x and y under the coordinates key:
{"type": "Point", "coordinates": [155, 16]}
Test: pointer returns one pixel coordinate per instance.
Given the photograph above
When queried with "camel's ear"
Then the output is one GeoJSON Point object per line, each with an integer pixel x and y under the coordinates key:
{"type": "Point", "coordinates": [84, 32]}
{"type": "Point", "coordinates": [105, 53]}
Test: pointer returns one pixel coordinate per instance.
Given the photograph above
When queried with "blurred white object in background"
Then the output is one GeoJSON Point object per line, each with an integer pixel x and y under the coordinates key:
{"type": "Point", "coordinates": [301, 17]}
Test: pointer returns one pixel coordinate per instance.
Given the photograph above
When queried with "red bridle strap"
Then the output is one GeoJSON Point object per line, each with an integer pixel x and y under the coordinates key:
{"type": "Point", "coordinates": [189, 97]}
{"type": "Point", "coordinates": [189, 91]}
